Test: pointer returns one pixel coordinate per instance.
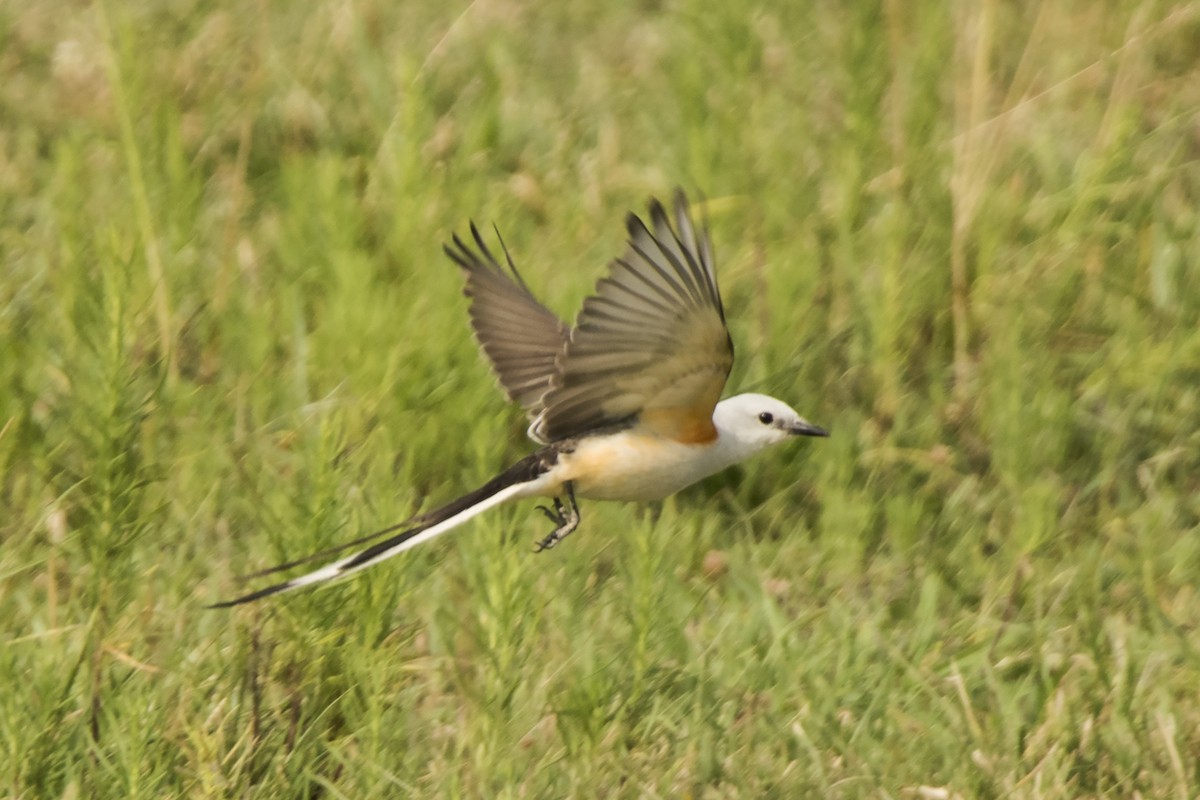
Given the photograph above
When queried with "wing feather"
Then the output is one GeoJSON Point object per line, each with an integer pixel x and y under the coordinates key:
{"type": "Point", "coordinates": [650, 344]}
{"type": "Point", "coordinates": [521, 337]}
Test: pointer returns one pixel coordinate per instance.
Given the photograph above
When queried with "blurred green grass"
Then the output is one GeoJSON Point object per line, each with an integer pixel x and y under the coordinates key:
{"type": "Point", "coordinates": [963, 237]}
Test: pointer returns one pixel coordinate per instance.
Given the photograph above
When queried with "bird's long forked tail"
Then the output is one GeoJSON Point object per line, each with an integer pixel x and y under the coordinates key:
{"type": "Point", "coordinates": [503, 487]}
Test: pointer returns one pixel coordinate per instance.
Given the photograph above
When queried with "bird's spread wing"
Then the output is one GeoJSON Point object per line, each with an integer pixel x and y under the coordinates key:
{"type": "Point", "coordinates": [650, 345]}
{"type": "Point", "coordinates": [521, 337]}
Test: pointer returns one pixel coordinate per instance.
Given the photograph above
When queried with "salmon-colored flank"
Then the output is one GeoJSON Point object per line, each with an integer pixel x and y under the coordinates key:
{"type": "Point", "coordinates": [683, 425]}
{"type": "Point", "coordinates": [686, 414]}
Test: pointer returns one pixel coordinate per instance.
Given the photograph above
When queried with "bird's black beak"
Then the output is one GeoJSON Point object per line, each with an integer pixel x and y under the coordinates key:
{"type": "Point", "coordinates": [806, 429]}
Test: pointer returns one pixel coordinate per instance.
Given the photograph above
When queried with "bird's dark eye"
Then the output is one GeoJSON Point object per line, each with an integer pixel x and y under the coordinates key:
{"type": "Point", "coordinates": [766, 418]}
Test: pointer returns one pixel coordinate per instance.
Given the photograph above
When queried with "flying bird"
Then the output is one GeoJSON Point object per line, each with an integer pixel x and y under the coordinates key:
{"type": "Point", "coordinates": [625, 404]}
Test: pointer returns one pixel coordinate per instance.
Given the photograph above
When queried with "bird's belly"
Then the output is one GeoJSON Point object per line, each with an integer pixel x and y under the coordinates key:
{"type": "Point", "coordinates": [627, 466]}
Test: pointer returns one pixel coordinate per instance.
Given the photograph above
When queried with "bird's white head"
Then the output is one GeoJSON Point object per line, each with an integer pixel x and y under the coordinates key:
{"type": "Point", "coordinates": [749, 423]}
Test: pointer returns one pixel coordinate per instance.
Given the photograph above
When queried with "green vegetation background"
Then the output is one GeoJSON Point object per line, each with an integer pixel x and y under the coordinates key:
{"type": "Point", "coordinates": [963, 236]}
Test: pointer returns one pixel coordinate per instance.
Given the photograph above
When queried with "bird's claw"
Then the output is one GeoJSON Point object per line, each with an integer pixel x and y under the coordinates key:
{"type": "Point", "coordinates": [554, 514]}
{"type": "Point", "coordinates": [566, 518]}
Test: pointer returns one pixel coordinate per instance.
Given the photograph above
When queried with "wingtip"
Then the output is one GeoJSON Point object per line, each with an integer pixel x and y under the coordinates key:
{"type": "Point", "coordinates": [680, 199]}
{"type": "Point", "coordinates": [683, 213]}
{"type": "Point", "coordinates": [634, 224]}
{"type": "Point", "coordinates": [480, 243]}
{"type": "Point", "coordinates": [470, 259]}
{"type": "Point", "coordinates": [458, 252]}
{"type": "Point", "coordinates": [658, 214]}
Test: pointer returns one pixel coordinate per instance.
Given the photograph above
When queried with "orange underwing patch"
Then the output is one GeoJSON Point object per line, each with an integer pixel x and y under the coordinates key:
{"type": "Point", "coordinates": [684, 425]}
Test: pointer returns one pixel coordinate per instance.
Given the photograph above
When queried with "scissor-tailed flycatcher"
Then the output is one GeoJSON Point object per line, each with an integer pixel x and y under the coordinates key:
{"type": "Point", "coordinates": [625, 403]}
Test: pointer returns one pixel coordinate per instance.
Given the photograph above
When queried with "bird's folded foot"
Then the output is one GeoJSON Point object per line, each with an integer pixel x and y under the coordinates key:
{"type": "Point", "coordinates": [556, 514]}
{"type": "Point", "coordinates": [564, 516]}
